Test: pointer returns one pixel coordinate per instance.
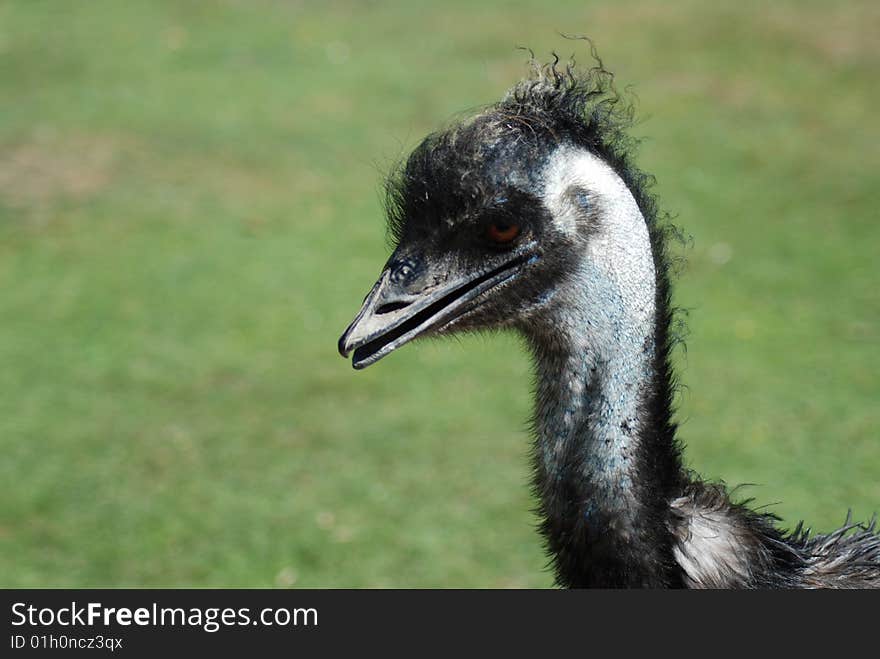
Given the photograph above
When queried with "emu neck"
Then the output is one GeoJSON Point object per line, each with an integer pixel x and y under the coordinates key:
{"type": "Point", "coordinates": [606, 465]}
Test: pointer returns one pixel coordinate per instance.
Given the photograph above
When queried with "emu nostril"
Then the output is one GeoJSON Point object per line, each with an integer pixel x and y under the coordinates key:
{"type": "Point", "coordinates": [391, 306]}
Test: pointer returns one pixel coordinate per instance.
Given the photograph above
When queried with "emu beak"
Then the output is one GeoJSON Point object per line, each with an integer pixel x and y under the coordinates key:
{"type": "Point", "coordinates": [392, 314]}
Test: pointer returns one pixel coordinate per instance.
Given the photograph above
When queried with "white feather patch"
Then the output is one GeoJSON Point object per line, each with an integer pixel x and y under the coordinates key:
{"type": "Point", "coordinates": [709, 547]}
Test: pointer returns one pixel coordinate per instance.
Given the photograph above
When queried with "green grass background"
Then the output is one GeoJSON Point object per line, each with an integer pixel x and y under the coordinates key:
{"type": "Point", "coordinates": [189, 217]}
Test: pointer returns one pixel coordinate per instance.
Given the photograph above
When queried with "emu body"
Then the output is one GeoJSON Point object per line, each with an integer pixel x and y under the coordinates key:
{"type": "Point", "coordinates": [532, 216]}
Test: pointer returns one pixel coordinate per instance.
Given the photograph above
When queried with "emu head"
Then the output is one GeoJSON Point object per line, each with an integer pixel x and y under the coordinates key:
{"type": "Point", "coordinates": [491, 217]}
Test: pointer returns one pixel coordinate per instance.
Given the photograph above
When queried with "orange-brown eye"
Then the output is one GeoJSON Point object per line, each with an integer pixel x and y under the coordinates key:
{"type": "Point", "coordinates": [501, 232]}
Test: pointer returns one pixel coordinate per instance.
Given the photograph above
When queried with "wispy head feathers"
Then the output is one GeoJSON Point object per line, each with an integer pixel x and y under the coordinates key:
{"type": "Point", "coordinates": [556, 103]}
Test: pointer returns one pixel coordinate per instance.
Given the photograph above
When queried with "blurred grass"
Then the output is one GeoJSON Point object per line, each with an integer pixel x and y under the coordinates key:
{"type": "Point", "coordinates": [189, 217]}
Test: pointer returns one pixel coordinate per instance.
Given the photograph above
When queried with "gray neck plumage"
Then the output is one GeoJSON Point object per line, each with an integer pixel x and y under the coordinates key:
{"type": "Point", "coordinates": [601, 450]}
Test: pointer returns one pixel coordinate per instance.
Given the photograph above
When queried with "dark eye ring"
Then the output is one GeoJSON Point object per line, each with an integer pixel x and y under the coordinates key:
{"type": "Point", "coordinates": [502, 232]}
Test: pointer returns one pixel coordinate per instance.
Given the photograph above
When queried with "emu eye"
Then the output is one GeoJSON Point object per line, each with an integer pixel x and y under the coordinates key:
{"type": "Point", "coordinates": [502, 232]}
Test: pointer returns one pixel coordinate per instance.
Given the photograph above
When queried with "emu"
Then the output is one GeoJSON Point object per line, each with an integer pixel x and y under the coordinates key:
{"type": "Point", "coordinates": [531, 215]}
